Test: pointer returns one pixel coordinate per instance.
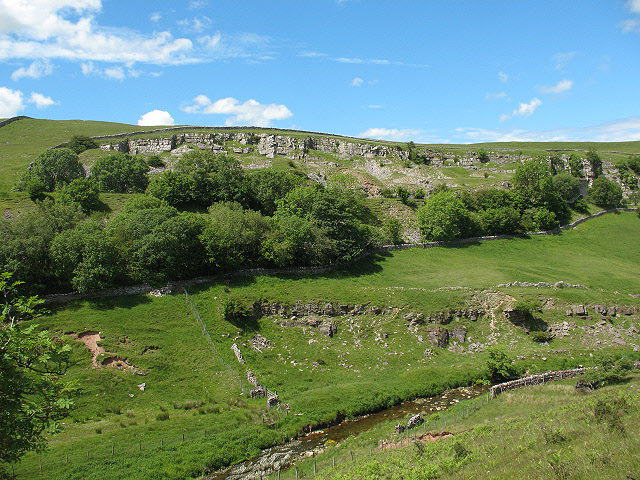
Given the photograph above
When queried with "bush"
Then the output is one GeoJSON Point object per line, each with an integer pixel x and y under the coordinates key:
{"type": "Point", "coordinates": [576, 167]}
{"type": "Point", "coordinates": [610, 370]}
{"type": "Point", "coordinates": [120, 173]}
{"type": "Point", "coordinates": [605, 193]}
{"type": "Point", "coordinates": [35, 188]}
{"type": "Point", "coordinates": [567, 186]}
{"type": "Point", "coordinates": [154, 161]}
{"type": "Point", "coordinates": [540, 336]}
{"type": "Point", "coordinates": [500, 367]}
{"type": "Point", "coordinates": [483, 156]}
{"type": "Point", "coordinates": [80, 143]}
{"type": "Point", "coordinates": [83, 191]}
{"type": "Point", "coordinates": [393, 231]}
{"type": "Point", "coordinates": [403, 194]}
{"type": "Point", "coordinates": [444, 217]}
{"type": "Point", "coordinates": [595, 161]}
{"type": "Point", "coordinates": [387, 193]}
{"type": "Point", "coordinates": [419, 193]}
{"type": "Point", "coordinates": [234, 310]}
{"type": "Point", "coordinates": [54, 168]}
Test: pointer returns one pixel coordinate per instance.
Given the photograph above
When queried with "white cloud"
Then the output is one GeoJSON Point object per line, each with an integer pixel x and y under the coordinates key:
{"type": "Point", "coordinates": [250, 112]}
{"type": "Point", "coordinates": [37, 69]}
{"type": "Point", "coordinates": [196, 4]}
{"type": "Point", "coordinates": [155, 17]}
{"type": "Point", "coordinates": [562, 59]}
{"type": "Point", "coordinates": [630, 25]}
{"type": "Point", "coordinates": [561, 86]}
{"type": "Point", "coordinates": [374, 106]}
{"type": "Point", "coordinates": [357, 82]}
{"type": "Point", "coordinates": [495, 96]}
{"type": "Point", "coordinates": [40, 100]}
{"type": "Point", "coordinates": [623, 130]}
{"type": "Point", "coordinates": [116, 73]}
{"type": "Point", "coordinates": [67, 29]}
{"type": "Point", "coordinates": [11, 102]}
{"type": "Point", "coordinates": [504, 78]}
{"type": "Point", "coordinates": [196, 24]}
{"type": "Point", "coordinates": [391, 134]}
{"type": "Point", "coordinates": [523, 110]}
{"type": "Point", "coordinates": [156, 117]}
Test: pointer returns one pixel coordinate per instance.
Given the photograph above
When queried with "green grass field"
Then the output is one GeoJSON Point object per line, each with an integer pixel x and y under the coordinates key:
{"type": "Point", "coordinates": [117, 430]}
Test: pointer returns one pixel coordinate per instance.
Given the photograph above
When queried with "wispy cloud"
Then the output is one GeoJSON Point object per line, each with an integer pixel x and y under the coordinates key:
{"type": "Point", "coordinates": [375, 106]}
{"type": "Point", "coordinates": [394, 134]}
{"type": "Point", "coordinates": [495, 96]}
{"type": "Point", "coordinates": [11, 102]}
{"type": "Point", "coordinates": [562, 59]}
{"type": "Point", "coordinates": [560, 87]}
{"type": "Point", "coordinates": [195, 24]}
{"type": "Point", "coordinates": [155, 17]}
{"type": "Point", "coordinates": [357, 82]}
{"type": "Point", "coordinates": [249, 113]}
{"type": "Point", "coordinates": [627, 129]}
{"type": "Point", "coordinates": [504, 78]}
{"type": "Point", "coordinates": [523, 110]}
{"type": "Point", "coordinates": [632, 24]}
{"type": "Point", "coordinates": [37, 69]}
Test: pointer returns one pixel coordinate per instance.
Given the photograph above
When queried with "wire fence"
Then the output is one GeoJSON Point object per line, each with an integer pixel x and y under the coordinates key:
{"type": "Point", "coordinates": [233, 373]}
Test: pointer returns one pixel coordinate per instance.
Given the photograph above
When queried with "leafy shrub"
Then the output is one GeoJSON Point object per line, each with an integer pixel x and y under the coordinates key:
{"type": "Point", "coordinates": [445, 217]}
{"type": "Point", "coordinates": [541, 336]}
{"type": "Point", "coordinates": [483, 156]}
{"type": "Point", "coordinates": [154, 161]}
{"type": "Point", "coordinates": [403, 194]}
{"type": "Point", "coordinates": [605, 193]}
{"type": "Point", "coordinates": [567, 186]}
{"type": "Point", "coordinates": [595, 161]}
{"type": "Point", "coordinates": [80, 143]}
{"type": "Point", "coordinates": [54, 168]}
{"type": "Point", "coordinates": [98, 430]}
{"type": "Point", "coordinates": [387, 193]}
{"type": "Point", "coordinates": [120, 173]}
{"type": "Point", "coordinates": [235, 310]}
{"type": "Point", "coordinates": [83, 191]}
{"type": "Point", "coordinates": [500, 367]}
{"type": "Point", "coordinates": [393, 231]}
{"type": "Point", "coordinates": [610, 370]}
{"type": "Point", "coordinates": [610, 411]}
{"type": "Point", "coordinates": [419, 193]}
{"type": "Point", "coordinates": [576, 167]}
{"type": "Point", "coordinates": [36, 188]}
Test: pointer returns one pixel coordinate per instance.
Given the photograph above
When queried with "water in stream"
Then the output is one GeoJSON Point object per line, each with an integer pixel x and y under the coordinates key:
{"type": "Point", "coordinates": [283, 456]}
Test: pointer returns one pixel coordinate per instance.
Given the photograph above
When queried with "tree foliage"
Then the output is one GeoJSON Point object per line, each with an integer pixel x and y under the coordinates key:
{"type": "Point", "coordinates": [120, 173]}
{"type": "Point", "coordinates": [80, 143]}
{"type": "Point", "coordinates": [445, 217]}
{"type": "Point", "coordinates": [605, 193]}
{"type": "Point", "coordinates": [33, 399]}
{"type": "Point", "coordinates": [500, 367]}
{"type": "Point", "coordinates": [83, 191]}
{"type": "Point", "coordinates": [54, 168]}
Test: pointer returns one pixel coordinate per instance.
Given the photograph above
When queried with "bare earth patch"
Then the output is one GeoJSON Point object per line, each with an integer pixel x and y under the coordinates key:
{"type": "Point", "coordinates": [91, 339]}
{"type": "Point", "coordinates": [421, 438]}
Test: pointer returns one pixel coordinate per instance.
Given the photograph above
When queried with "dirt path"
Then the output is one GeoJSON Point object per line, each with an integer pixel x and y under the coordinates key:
{"type": "Point", "coordinates": [91, 339]}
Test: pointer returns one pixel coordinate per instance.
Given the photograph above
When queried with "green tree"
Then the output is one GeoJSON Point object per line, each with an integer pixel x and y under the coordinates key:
{"type": "Point", "coordinates": [54, 168]}
{"type": "Point", "coordinates": [444, 217]}
{"type": "Point", "coordinates": [33, 399]}
{"type": "Point", "coordinates": [83, 191]}
{"type": "Point", "coordinates": [483, 156]}
{"type": "Point", "coordinates": [80, 143]}
{"type": "Point", "coordinates": [233, 237]}
{"type": "Point", "coordinates": [174, 188]}
{"type": "Point", "coordinates": [576, 166]}
{"type": "Point", "coordinates": [213, 178]}
{"type": "Point", "coordinates": [595, 161]}
{"type": "Point", "coordinates": [567, 186]}
{"type": "Point", "coordinates": [120, 173]}
{"type": "Point", "coordinates": [557, 165]}
{"type": "Point", "coordinates": [266, 187]}
{"type": "Point", "coordinates": [500, 221]}
{"type": "Point", "coordinates": [26, 240]}
{"type": "Point", "coordinates": [393, 231]}
{"type": "Point", "coordinates": [605, 193]}
{"type": "Point", "coordinates": [500, 367]}
{"type": "Point", "coordinates": [86, 258]}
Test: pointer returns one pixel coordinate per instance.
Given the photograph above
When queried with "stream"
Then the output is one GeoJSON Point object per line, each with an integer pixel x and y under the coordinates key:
{"type": "Point", "coordinates": [282, 457]}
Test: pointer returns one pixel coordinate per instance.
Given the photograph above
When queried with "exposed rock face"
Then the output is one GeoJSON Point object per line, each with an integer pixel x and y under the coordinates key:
{"type": "Point", "coordinates": [260, 343]}
{"type": "Point", "coordinates": [561, 329]}
{"type": "Point", "coordinates": [273, 401]}
{"type": "Point", "coordinates": [459, 334]}
{"type": "Point", "coordinates": [415, 421]}
{"type": "Point", "coordinates": [267, 145]}
{"type": "Point", "coordinates": [517, 317]}
{"type": "Point", "coordinates": [446, 317]}
{"type": "Point", "coordinates": [612, 311]}
{"type": "Point", "coordinates": [301, 309]}
{"type": "Point", "coordinates": [439, 336]}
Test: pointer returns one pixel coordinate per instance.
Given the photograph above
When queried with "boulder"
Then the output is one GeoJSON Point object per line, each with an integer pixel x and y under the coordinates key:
{"type": "Point", "coordinates": [328, 329]}
{"type": "Point", "coordinates": [579, 310]}
{"type": "Point", "coordinates": [415, 421]}
{"type": "Point", "coordinates": [439, 336]}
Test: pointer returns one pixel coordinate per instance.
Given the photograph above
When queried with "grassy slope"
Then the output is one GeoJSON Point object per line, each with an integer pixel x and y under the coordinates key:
{"type": "Point", "coordinates": [541, 432]}
{"type": "Point", "coordinates": [601, 254]}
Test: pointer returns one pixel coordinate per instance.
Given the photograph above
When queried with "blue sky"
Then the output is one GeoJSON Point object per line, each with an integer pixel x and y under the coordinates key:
{"type": "Point", "coordinates": [428, 71]}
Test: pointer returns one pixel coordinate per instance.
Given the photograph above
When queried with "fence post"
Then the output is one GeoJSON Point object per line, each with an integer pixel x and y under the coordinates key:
{"type": "Point", "coordinates": [140, 445]}
{"type": "Point", "coordinates": [183, 436]}
{"type": "Point", "coordinates": [278, 473]}
{"type": "Point", "coordinates": [315, 469]}
{"type": "Point", "coordinates": [334, 462]}
{"type": "Point", "coordinates": [161, 442]}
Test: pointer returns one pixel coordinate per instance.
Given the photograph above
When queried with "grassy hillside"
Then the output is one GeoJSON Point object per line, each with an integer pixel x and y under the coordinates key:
{"type": "Point", "coordinates": [541, 432]}
{"type": "Point", "coordinates": [374, 360]}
